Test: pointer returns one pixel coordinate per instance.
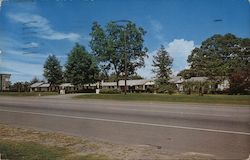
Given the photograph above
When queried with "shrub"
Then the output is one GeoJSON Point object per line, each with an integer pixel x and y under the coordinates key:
{"type": "Point", "coordinates": [110, 91]}
{"type": "Point", "coordinates": [82, 91]}
{"type": "Point", "coordinates": [167, 88]}
{"type": "Point", "coordinates": [150, 89]}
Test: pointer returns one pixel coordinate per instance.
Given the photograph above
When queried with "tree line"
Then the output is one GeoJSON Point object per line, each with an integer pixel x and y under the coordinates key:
{"type": "Point", "coordinates": [219, 57]}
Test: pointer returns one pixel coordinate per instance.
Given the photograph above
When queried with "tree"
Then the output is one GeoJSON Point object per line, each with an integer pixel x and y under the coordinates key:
{"type": "Point", "coordinates": [240, 81]}
{"type": "Point", "coordinates": [162, 63]}
{"type": "Point", "coordinates": [186, 73]}
{"type": "Point", "coordinates": [34, 80]}
{"type": "Point", "coordinates": [112, 77]}
{"type": "Point", "coordinates": [219, 57]}
{"type": "Point", "coordinates": [111, 44]}
{"type": "Point", "coordinates": [81, 67]}
{"type": "Point", "coordinates": [135, 77]}
{"type": "Point", "coordinates": [53, 70]}
{"type": "Point", "coordinates": [20, 87]}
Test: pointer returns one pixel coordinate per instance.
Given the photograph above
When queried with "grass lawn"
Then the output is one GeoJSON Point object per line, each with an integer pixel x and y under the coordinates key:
{"type": "Point", "coordinates": [21, 150]}
{"type": "Point", "coordinates": [213, 99]}
{"type": "Point", "coordinates": [27, 93]}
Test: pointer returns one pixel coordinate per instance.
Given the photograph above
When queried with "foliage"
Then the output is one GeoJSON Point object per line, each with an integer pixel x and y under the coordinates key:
{"type": "Point", "coordinates": [110, 91]}
{"type": "Point", "coordinates": [169, 88]}
{"type": "Point", "coordinates": [151, 89]}
{"type": "Point", "coordinates": [162, 64]}
{"type": "Point", "coordinates": [240, 81]}
{"type": "Point", "coordinates": [148, 97]}
{"type": "Point", "coordinates": [20, 87]}
{"type": "Point", "coordinates": [197, 87]}
{"type": "Point", "coordinates": [24, 150]}
{"type": "Point", "coordinates": [116, 43]}
{"type": "Point", "coordinates": [84, 90]}
{"type": "Point", "coordinates": [112, 77]}
{"type": "Point", "coordinates": [103, 76]}
{"type": "Point", "coordinates": [219, 55]}
{"type": "Point", "coordinates": [34, 80]}
{"type": "Point", "coordinates": [23, 94]}
{"type": "Point", "coordinates": [81, 67]}
{"type": "Point", "coordinates": [88, 157]}
{"type": "Point", "coordinates": [134, 77]}
{"type": "Point", "coordinates": [186, 74]}
{"type": "Point", "coordinates": [53, 70]}
{"type": "Point", "coordinates": [29, 151]}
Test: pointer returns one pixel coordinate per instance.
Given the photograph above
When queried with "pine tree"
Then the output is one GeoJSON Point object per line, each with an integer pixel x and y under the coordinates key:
{"type": "Point", "coordinates": [162, 64]}
{"type": "Point", "coordinates": [53, 70]}
{"type": "Point", "coordinates": [81, 67]}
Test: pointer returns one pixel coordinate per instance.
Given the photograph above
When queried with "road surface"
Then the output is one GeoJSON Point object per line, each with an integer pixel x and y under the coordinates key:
{"type": "Point", "coordinates": [222, 131]}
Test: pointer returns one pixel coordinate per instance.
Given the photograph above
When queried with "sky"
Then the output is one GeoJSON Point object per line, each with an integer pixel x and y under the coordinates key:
{"type": "Point", "coordinates": [30, 30]}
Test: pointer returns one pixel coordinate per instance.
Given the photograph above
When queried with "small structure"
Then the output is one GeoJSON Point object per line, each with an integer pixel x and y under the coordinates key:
{"type": "Point", "coordinates": [197, 79]}
{"type": "Point", "coordinates": [90, 86]}
{"type": "Point", "coordinates": [223, 85]}
{"type": "Point", "coordinates": [40, 87]}
{"type": "Point", "coordinates": [132, 85]}
{"type": "Point", "coordinates": [4, 82]}
{"type": "Point", "coordinates": [109, 85]}
{"type": "Point", "coordinates": [45, 87]}
{"type": "Point", "coordinates": [35, 87]}
{"type": "Point", "coordinates": [66, 87]}
{"type": "Point", "coordinates": [178, 81]}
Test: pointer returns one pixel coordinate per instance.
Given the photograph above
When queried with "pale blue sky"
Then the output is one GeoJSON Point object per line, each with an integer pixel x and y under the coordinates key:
{"type": "Point", "coordinates": [44, 27]}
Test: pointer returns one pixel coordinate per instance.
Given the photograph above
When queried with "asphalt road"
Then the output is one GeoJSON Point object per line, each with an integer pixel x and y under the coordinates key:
{"type": "Point", "coordinates": [223, 131]}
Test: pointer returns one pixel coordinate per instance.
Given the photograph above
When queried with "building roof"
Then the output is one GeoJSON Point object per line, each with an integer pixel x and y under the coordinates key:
{"type": "Point", "coordinates": [150, 83]}
{"type": "Point", "coordinates": [66, 85]}
{"type": "Point", "coordinates": [90, 85]}
{"type": "Point", "coordinates": [176, 79]}
{"type": "Point", "coordinates": [197, 79]}
{"type": "Point", "coordinates": [129, 82]}
{"type": "Point", "coordinates": [133, 82]}
{"type": "Point", "coordinates": [106, 84]}
{"type": "Point", "coordinates": [37, 84]}
{"type": "Point", "coordinates": [44, 85]}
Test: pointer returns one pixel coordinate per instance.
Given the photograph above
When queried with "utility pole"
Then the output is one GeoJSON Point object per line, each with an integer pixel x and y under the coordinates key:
{"type": "Point", "coordinates": [126, 62]}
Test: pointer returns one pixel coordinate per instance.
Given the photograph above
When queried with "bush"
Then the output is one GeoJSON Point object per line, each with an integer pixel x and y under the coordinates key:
{"type": "Point", "coordinates": [110, 91]}
{"type": "Point", "coordinates": [150, 89]}
{"type": "Point", "coordinates": [167, 88]}
{"type": "Point", "coordinates": [82, 91]}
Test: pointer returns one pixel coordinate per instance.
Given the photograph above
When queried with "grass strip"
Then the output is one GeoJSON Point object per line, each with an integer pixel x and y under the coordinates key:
{"type": "Point", "coordinates": [211, 99]}
{"type": "Point", "coordinates": [13, 150]}
{"type": "Point", "coordinates": [23, 150]}
{"type": "Point", "coordinates": [23, 94]}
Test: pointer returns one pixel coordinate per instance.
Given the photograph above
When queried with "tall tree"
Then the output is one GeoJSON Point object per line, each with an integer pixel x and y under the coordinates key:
{"type": "Point", "coordinates": [186, 73]}
{"type": "Point", "coordinates": [81, 67]}
{"type": "Point", "coordinates": [98, 45]}
{"type": "Point", "coordinates": [53, 70]}
{"type": "Point", "coordinates": [111, 45]}
{"type": "Point", "coordinates": [35, 80]}
{"type": "Point", "coordinates": [20, 87]}
{"type": "Point", "coordinates": [221, 56]}
{"type": "Point", "coordinates": [162, 63]}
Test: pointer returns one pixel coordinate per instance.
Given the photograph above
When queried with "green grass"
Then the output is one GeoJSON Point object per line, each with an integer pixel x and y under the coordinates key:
{"type": "Point", "coordinates": [88, 157]}
{"type": "Point", "coordinates": [212, 99]}
{"type": "Point", "coordinates": [20, 150]}
{"type": "Point", "coordinates": [20, 94]}
{"type": "Point", "coordinates": [12, 150]}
